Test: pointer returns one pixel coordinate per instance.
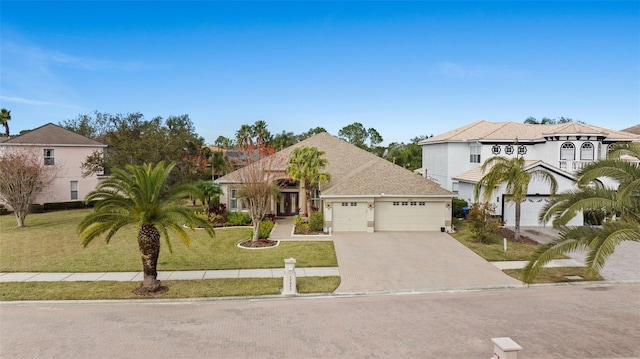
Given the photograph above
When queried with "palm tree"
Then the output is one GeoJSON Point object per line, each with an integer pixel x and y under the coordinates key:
{"type": "Point", "coordinates": [138, 196]}
{"type": "Point", "coordinates": [260, 133]}
{"type": "Point", "coordinates": [512, 173]}
{"type": "Point", "coordinates": [305, 165]}
{"type": "Point", "coordinates": [620, 205]}
{"type": "Point", "coordinates": [5, 117]}
{"type": "Point", "coordinates": [244, 137]}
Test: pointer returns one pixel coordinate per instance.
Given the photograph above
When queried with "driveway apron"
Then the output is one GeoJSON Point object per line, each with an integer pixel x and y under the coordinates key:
{"type": "Point", "coordinates": [411, 261]}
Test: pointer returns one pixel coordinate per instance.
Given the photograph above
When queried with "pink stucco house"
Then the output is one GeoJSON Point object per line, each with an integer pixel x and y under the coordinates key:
{"type": "Point", "coordinates": [64, 149]}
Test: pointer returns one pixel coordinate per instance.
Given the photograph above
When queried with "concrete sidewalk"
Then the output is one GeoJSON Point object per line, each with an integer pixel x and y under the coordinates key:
{"type": "Point", "coordinates": [556, 263]}
{"type": "Point", "coordinates": [169, 275]}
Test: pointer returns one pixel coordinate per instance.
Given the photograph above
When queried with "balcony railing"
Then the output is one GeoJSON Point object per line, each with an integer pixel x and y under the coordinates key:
{"type": "Point", "coordinates": [572, 166]}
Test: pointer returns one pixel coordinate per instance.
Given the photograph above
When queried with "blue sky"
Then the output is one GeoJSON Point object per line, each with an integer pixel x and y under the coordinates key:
{"type": "Point", "coordinates": [403, 68]}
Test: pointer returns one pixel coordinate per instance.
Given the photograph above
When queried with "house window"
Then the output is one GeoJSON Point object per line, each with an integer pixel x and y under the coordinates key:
{"type": "Point", "coordinates": [455, 186]}
{"type": "Point", "coordinates": [474, 153]}
{"type": "Point", "coordinates": [74, 190]}
{"type": "Point", "coordinates": [586, 151]}
{"type": "Point", "coordinates": [345, 204]}
{"type": "Point", "coordinates": [233, 200]}
{"type": "Point", "coordinates": [315, 198]}
{"type": "Point", "coordinates": [396, 203]}
{"type": "Point", "coordinates": [354, 204]}
{"type": "Point", "coordinates": [495, 149]}
{"type": "Point", "coordinates": [405, 203]}
{"type": "Point", "coordinates": [508, 149]}
{"type": "Point", "coordinates": [522, 149]}
{"type": "Point", "coordinates": [422, 203]}
{"type": "Point", "coordinates": [414, 203]}
{"type": "Point", "coordinates": [567, 152]}
{"type": "Point", "coordinates": [49, 159]}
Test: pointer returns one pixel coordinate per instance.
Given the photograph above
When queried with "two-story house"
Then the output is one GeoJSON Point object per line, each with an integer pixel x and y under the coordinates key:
{"type": "Point", "coordinates": [453, 159]}
{"type": "Point", "coordinates": [64, 149]}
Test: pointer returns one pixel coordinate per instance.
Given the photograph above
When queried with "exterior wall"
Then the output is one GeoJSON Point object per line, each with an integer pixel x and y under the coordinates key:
{"type": "Point", "coordinates": [67, 161]}
{"type": "Point", "coordinates": [437, 160]}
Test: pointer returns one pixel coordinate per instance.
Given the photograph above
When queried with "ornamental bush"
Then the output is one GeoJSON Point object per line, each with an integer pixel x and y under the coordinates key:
{"type": "Point", "coordinates": [316, 221]}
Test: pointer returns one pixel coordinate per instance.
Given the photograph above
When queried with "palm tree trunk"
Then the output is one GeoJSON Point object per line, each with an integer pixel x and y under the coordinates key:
{"type": "Point", "coordinates": [307, 190]}
{"type": "Point", "coordinates": [149, 244]}
{"type": "Point", "coordinates": [517, 229]}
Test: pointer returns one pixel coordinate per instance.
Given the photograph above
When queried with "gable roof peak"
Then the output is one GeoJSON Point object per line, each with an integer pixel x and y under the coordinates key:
{"type": "Point", "coordinates": [52, 134]}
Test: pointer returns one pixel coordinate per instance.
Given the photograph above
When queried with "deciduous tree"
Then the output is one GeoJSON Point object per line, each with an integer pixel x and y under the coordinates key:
{"type": "Point", "coordinates": [258, 187]}
{"type": "Point", "coordinates": [22, 173]}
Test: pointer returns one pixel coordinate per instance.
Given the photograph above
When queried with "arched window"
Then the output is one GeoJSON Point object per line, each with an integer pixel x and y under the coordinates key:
{"type": "Point", "coordinates": [567, 152]}
{"type": "Point", "coordinates": [586, 151]}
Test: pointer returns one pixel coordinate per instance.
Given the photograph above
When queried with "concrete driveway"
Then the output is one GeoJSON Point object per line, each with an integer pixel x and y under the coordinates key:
{"type": "Point", "coordinates": [411, 261]}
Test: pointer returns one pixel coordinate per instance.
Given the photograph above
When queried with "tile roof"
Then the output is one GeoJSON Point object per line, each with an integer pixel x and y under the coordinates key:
{"type": "Point", "coordinates": [51, 134]}
{"type": "Point", "coordinates": [475, 175]}
{"type": "Point", "coordinates": [633, 129]}
{"type": "Point", "coordinates": [354, 171]}
{"type": "Point", "coordinates": [497, 131]}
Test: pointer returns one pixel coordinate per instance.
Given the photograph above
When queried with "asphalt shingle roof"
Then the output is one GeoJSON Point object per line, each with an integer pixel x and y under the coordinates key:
{"type": "Point", "coordinates": [355, 172]}
{"type": "Point", "coordinates": [51, 134]}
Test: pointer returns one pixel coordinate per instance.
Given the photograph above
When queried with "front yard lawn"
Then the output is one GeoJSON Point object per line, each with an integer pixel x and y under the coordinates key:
{"type": "Point", "coordinates": [49, 243]}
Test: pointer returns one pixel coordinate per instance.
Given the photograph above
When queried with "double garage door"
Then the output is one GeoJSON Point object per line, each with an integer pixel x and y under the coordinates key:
{"type": "Point", "coordinates": [389, 216]}
{"type": "Point", "coordinates": [409, 216]}
{"type": "Point", "coordinates": [529, 211]}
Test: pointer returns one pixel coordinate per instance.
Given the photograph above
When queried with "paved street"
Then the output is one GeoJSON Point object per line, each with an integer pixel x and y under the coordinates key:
{"type": "Point", "coordinates": [573, 321]}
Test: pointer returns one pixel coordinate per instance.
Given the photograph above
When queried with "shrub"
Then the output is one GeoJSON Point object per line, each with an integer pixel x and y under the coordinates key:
{"type": "Point", "coordinates": [36, 208]}
{"type": "Point", "coordinates": [218, 214]}
{"type": "Point", "coordinates": [316, 221]}
{"type": "Point", "coordinates": [238, 218]}
{"type": "Point", "coordinates": [483, 223]}
{"type": "Point", "coordinates": [301, 225]}
{"type": "Point", "coordinates": [456, 207]}
{"type": "Point", "coordinates": [265, 229]}
{"type": "Point", "coordinates": [3, 210]}
{"type": "Point", "coordinates": [60, 206]}
{"type": "Point", "coordinates": [269, 217]}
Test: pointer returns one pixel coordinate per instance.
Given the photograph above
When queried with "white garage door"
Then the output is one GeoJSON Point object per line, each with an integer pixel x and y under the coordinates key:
{"type": "Point", "coordinates": [350, 217]}
{"type": "Point", "coordinates": [529, 212]}
{"type": "Point", "coordinates": [409, 216]}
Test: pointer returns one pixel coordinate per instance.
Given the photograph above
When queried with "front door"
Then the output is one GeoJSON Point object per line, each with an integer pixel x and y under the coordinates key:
{"type": "Point", "coordinates": [288, 204]}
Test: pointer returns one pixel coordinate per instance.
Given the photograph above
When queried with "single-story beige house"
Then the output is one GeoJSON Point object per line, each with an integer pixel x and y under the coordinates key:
{"type": "Point", "coordinates": [366, 193]}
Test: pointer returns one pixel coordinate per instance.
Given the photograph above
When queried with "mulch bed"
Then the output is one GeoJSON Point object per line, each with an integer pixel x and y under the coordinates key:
{"type": "Point", "coordinates": [510, 236]}
{"type": "Point", "coordinates": [260, 243]}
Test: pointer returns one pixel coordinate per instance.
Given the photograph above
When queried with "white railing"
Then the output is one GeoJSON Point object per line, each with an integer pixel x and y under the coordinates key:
{"type": "Point", "coordinates": [572, 166]}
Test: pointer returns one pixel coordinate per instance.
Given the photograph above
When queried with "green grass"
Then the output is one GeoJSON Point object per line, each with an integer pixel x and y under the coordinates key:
{"type": "Point", "coordinates": [177, 289]}
{"type": "Point", "coordinates": [494, 252]}
{"type": "Point", "coordinates": [49, 243]}
{"type": "Point", "coordinates": [557, 275]}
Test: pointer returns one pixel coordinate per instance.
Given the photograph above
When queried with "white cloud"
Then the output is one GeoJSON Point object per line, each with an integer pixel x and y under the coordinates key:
{"type": "Point", "coordinates": [32, 102]}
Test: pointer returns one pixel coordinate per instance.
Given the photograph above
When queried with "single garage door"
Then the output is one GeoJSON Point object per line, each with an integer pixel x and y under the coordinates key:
{"type": "Point", "coordinates": [350, 217]}
{"type": "Point", "coordinates": [409, 216]}
{"type": "Point", "coordinates": [529, 211]}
